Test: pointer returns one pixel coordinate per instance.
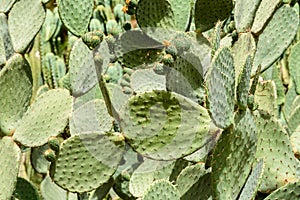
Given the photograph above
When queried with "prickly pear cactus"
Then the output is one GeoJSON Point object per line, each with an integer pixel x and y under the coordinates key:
{"type": "Point", "coordinates": [82, 9]}
{"type": "Point", "coordinates": [149, 99]}
{"type": "Point", "coordinates": [15, 90]}
{"type": "Point", "coordinates": [41, 122]}
{"type": "Point", "coordinates": [24, 21]}
{"type": "Point", "coordinates": [10, 156]}
{"type": "Point", "coordinates": [221, 84]}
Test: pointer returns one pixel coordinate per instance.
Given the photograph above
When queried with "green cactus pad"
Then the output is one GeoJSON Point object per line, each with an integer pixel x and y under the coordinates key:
{"type": "Point", "coordinates": [244, 84]}
{"type": "Point", "coordinates": [46, 117]}
{"type": "Point", "coordinates": [164, 125]}
{"type": "Point", "coordinates": [216, 38]}
{"type": "Point", "coordinates": [38, 161]}
{"type": "Point", "coordinates": [117, 96]}
{"type": "Point", "coordinates": [293, 120]}
{"type": "Point", "coordinates": [289, 99]}
{"type": "Point", "coordinates": [147, 173]}
{"type": "Point", "coordinates": [263, 14]}
{"type": "Point", "coordinates": [250, 189]}
{"type": "Point", "coordinates": [83, 76]}
{"type": "Point", "coordinates": [50, 25]}
{"type": "Point", "coordinates": [94, 93]}
{"type": "Point", "coordinates": [25, 190]}
{"type": "Point", "coordinates": [207, 13]}
{"type": "Point", "coordinates": [76, 14]}
{"type": "Point", "coordinates": [295, 103]}
{"type": "Point", "coordinates": [135, 49]}
{"type": "Point", "coordinates": [186, 76]}
{"type": "Point", "coordinates": [15, 92]}
{"type": "Point", "coordinates": [146, 81]}
{"type": "Point", "coordinates": [194, 182]}
{"type": "Point", "coordinates": [221, 86]}
{"type": "Point", "coordinates": [182, 12]}
{"type": "Point", "coordinates": [24, 21]}
{"type": "Point", "coordinates": [241, 49]}
{"type": "Point", "coordinates": [2, 53]}
{"type": "Point", "coordinates": [10, 155]}
{"type": "Point", "coordinates": [295, 140]}
{"type": "Point", "coordinates": [155, 14]}
{"type": "Point", "coordinates": [201, 154]}
{"type": "Point", "coordinates": [244, 13]}
{"type": "Point", "coordinates": [102, 191]}
{"type": "Point", "coordinates": [266, 98]}
{"type": "Point", "coordinates": [51, 191]}
{"type": "Point", "coordinates": [280, 89]}
{"type": "Point", "coordinates": [233, 157]}
{"type": "Point", "coordinates": [275, 148]}
{"type": "Point", "coordinates": [294, 66]}
{"type": "Point", "coordinates": [85, 162]}
{"type": "Point", "coordinates": [121, 186]}
{"type": "Point", "coordinates": [6, 36]}
{"type": "Point", "coordinates": [162, 190]}
{"type": "Point", "coordinates": [272, 43]}
{"type": "Point", "coordinates": [289, 191]}
{"type": "Point", "coordinates": [5, 5]}
{"type": "Point", "coordinates": [91, 117]}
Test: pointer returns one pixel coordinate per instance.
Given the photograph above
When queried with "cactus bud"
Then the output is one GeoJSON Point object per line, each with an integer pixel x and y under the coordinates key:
{"type": "Point", "coordinates": [50, 155]}
{"type": "Point", "coordinates": [54, 143]}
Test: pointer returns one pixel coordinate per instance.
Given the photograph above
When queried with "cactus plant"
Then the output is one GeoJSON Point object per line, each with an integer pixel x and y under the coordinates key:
{"type": "Point", "coordinates": [160, 99]}
{"type": "Point", "coordinates": [22, 34]}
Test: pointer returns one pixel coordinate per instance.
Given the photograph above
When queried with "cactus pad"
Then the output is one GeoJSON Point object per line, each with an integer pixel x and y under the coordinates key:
{"type": "Point", "coordinates": [244, 84]}
{"type": "Point", "coordinates": [9, 50]}
{"type": "Point", "coordinates": [15, 92]}
{"type": "Point", "coordinates": [155, 14]}
{"type": "Point", "coordinates": [146, 81]}
{"type": "Point", "coordinates": [241, 49]}
{"type": "Point", "coordinates": [250, 189]}
{"type": "Point", "coordinates": [25, 190]}
{"type": "Point", "coordinates": [221, 86]}
{"type": "Point", "coordinates": [162, 190]}
{"type": "Point", "coordinates": [263, 14]}
{"type": "Point", "coordinates": [275, 148]}
{"type": "Point", "coordinates": [46, 117]}
{"type": "Point", "coordinates": [289, 191]}
{"type": "Point", "coordinates": [207, 13]}
{"type": "Point", "coordinates": [38, 161]}
{"type": "Point", "coordinates": [91, 117]}
{"type": "Point", "coordinates": [5, 5]}
{"type": "Point", "coordinates": [51, 191]}
{"type": "Point", "coordinates": [236, 148]}
{"type": "Point", "coordinates": [266, 98]}
{"type": "Point", "coordinates": [2, 52]}
{"type": "Point", "coordinates": [24, 21]}
{"type": "Point", "coordinates": [164, 125]}
{"type": "Point", "coordinates": [194, 182]}
{"type": "Point", "coordinates": [294, 66]}
{"type": "Point", "coordinates": [186, 76]}
{"type": "Point", "coordinates": [76, 14]}
{"type": "Point", "coordinates": [182, 11]}
{"type": "Point", "coordinates": [10, 155]}
{"type": "Point", "coordinates": [83, 76]}
{"type": "Point", "coordinates": [293, 120]}
{"type": "Point", "coordinates": [85, 162]}
{"type": "Point", "coordinates": [272, 43]}
{"type": "Point", "coordinates": [244, 13]}
{"type": "Point", "coordinates": [147, 173]}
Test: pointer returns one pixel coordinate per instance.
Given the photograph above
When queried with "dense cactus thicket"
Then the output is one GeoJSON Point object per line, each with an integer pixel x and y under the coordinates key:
{"type": "Point", "coordinates": [149, 99]}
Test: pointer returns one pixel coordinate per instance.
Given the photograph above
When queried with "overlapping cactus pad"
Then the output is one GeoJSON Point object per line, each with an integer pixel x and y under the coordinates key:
{"type": "Point", "coordinates": [164, 125]}
{"type": "Point", "coordinates": [149, 99]}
